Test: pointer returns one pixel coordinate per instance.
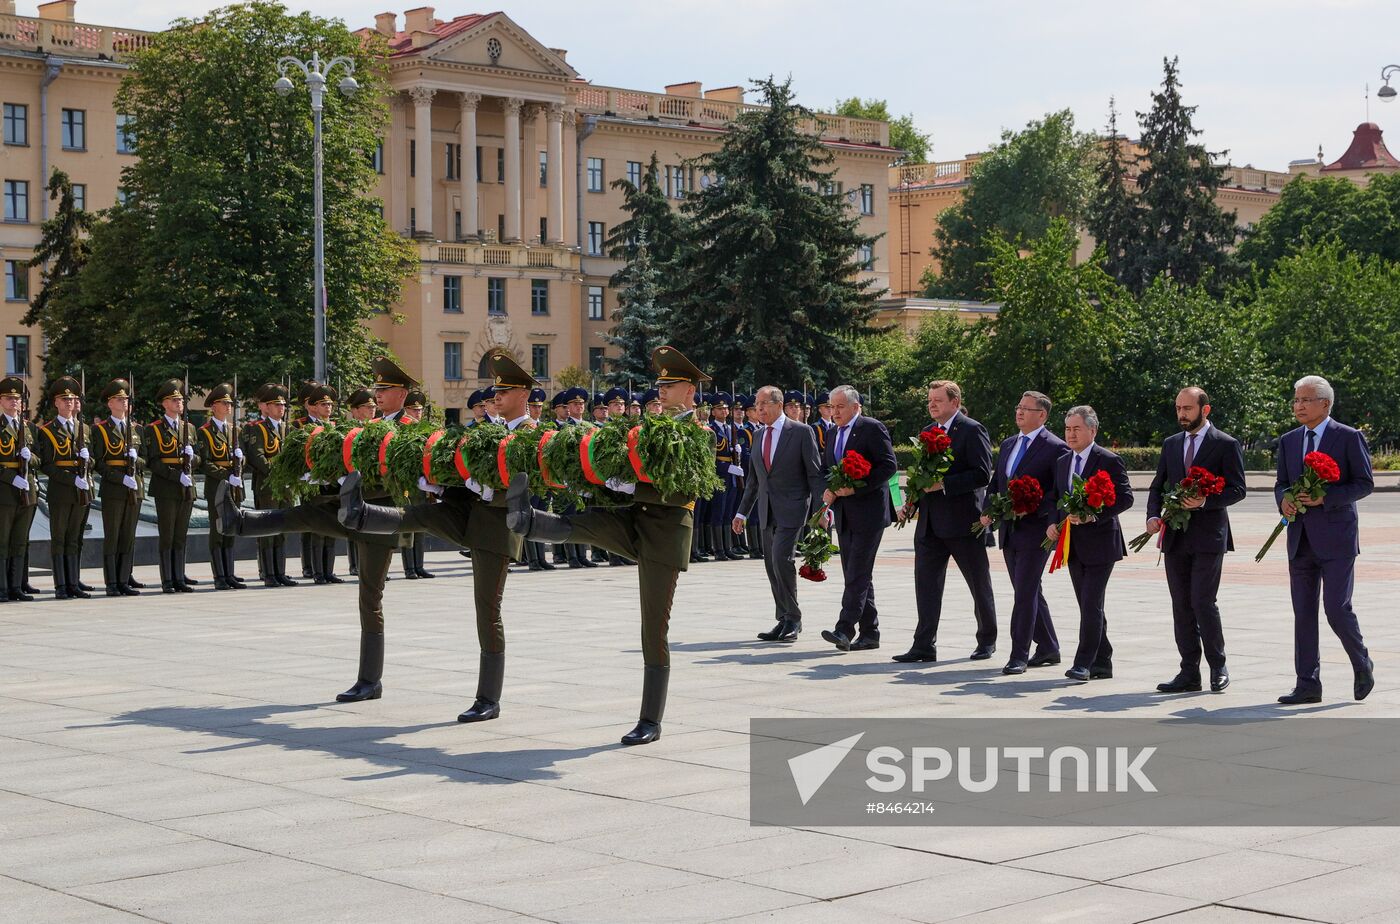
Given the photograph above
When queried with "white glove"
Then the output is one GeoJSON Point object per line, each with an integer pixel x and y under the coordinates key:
{"type": "Point", "coordinates": [80, 483]}
{"type": "Point", "coordinates": [25, 454]}
{"type": "Point", "coordinates": [429, 488]}
{"type": "Point", "coordinates": [129, 482]}
{"type": "Point", "coordinates": [131, 452]}
{"type": "Point", "coordinates": [485, 492]}
{"type": "Point", "coordinates": [622, 487]}
{"type": "Point", "coordinates": [189, 452]}
{"type": "Point", "coordinates": [234, 481]}
{"type": "Point", "coordinates": [736, 470]}
{"type": "Point", "coordinates": [186, 480]}
{"type": "Point", "coordinates": [237, 453]}
{"type": "Point", "coordinates": [83, 453]}
{"type": "Point", "coordinates": [21, 482]}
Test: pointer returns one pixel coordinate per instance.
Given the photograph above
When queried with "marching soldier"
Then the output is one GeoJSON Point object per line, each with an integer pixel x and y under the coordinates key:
{"type": "Point", "coordinates": [19, 494]}
{"type": "Point", "coordinates": [117, 461]}
{"type": "Point", "coordinates": [654, 531]}
{"type": "Point", "coordinates": [66, 460]}
{"type": "Point", "coordinates": [318, 551]}
{"type": "Point", "coordinates": [221, 460]}
{"type": "Point", "coordinates": [169, 446]}
{"type": "Point", "coordinates": [262, 441]}
{"type": "Point", "coordinates": [415, 545]}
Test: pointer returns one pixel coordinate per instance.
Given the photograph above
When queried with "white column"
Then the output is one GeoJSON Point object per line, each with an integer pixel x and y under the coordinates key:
{"type": "Point", "coordinates": [423, 162]}
{"type": "Point", "coordinates": [555, 174]}
{"type": "Point", "coordinates": [511, 107]}
{"type": "Point", "coordinates": [468, 178]}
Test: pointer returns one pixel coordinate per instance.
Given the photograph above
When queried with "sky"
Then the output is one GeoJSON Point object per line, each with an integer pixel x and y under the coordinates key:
{"type": "Point", "coordinates": [1272, 80]}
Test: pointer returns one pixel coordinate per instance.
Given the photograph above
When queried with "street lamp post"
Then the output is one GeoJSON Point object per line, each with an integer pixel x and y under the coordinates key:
{"type": "Point", "coordinates": [315, 75]}
{"type": "Point", "coordinates": [1387, 92]}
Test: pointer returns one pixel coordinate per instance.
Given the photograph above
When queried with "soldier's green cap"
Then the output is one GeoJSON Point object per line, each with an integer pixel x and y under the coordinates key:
{"type": "Point", "coordinates": [271, 393]}
{"type": "Point", "coordinates": [65, 386]}
{"type": "Point", "coordinates": [506, 372]}
{"type": "Point", "coordinates": [360, 397]}
{"type": "Point", "coordinates": [117, 388]}
{"type": "Point", "coordinates": [221, 392]}
{"type": "Point", "coordinates": [415, 400]}
{"type": "Point", "coordinates": [387, 374]}
{"type": "Point", "coordinates": [12, 386]}
{"type": "Point", "coordinates": [170, 388]}
{"type": "Point", "coordinates": [672, 366]}
{"type": "Point", "coordinates": [318, 392]}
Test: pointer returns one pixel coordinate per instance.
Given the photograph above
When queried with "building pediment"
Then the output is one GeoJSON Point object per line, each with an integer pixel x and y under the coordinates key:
{"type": "Point", "coordinates": [498, 43]}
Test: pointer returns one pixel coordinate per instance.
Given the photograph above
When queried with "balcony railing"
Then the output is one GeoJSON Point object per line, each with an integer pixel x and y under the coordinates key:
{"type": "Point", "coordinates": [717, 113]}
{"type": "Point", "coordinates": [1250, 178]}
{"type": "Point", "coordinates": [76, 39]}
{"type": "Point", "coordinates": [947, 171]}
{"type": "Point", "coordinates": [485, 253]}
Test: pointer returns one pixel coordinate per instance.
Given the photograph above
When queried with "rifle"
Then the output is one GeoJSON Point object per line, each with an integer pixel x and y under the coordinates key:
{"type": "Point", "coordinates": [84, 465]}
{"type": "Point", "coordinates": [28, 497]}
{"type": "Point", "coordinates": [186, 457]}
{"type": "Point", "coordinates": [233, 440]}
{"type": "Point", "coordinates": [130, 423]}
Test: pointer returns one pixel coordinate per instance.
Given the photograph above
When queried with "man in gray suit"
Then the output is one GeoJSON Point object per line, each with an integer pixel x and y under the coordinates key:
{"type": "Point", "coordinates": [785, 483]}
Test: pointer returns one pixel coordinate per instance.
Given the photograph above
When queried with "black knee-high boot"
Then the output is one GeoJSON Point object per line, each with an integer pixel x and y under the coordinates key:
{"type": "Point", "coordinates": [488, 688]}
{"type": "Point", "coordinates": [367, 684]}
{"type": "Point", "coordinates": [654, 683]}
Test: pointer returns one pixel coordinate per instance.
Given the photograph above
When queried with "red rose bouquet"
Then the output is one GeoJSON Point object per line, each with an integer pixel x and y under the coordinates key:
{"type": "Point", "coordinates": [1023, 495]}
{"type": "Point", "coordinates": [933, 454]}
{"type": "Point", "coordinates": [816, 548]}
{"type": "Point", "coordinates": [1087, 498]}
{"type": "Point", "coordinates": [850, 472]}
{"type": "Point", "coordinates": [1175, 515]}
{"type": "Point", "coordinates": [1319, 470]}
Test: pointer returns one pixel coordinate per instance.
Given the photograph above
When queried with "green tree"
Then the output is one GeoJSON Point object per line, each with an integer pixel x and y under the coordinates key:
{"type": "Point", "coordinates": [649, 217]}
{"type": "Point", "coordinates": [904, 135]}
{"type": "Point", "coordinates": [1186, 235]}
{"type": "Point", "coordinates": [61, 254]}
{"type": "Point", "coordinates": [1112, 216]}
{"type": "Point", "coordinates": [771, 279]}
{"type": "Point", "coordinates": [1032, 177]}
{"type": "Point", "coordinates": [640, 320]}
{"type": "Point", "coordinates": [899, 368]}
{"type": "Point", "coordinates": [1363, 219]}
{"type": "Point", "coordinates": [208, 264]}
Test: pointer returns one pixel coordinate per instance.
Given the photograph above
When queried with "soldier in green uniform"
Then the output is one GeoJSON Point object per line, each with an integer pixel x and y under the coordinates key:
{"type": "Point", "coordinates": [262, 441]}
{"type": "Point", "coordinates": [318, 551]}
{"type": "Point", "coordinates": [469, 516]}
{"type": "Point", "coordinates": [221, 460]}
{"type": "Point", "coordinates": [170, 457]}
{"type": "Point", "coordinates": [116, 459]}
{"type": "Point", "coordinates": [413, 546]}
{"type": "Point", "coordinates": [19, 487]}
{"type": "Point", "coordinates": [66, 459]}
{"type": "Point", "coordinates": [375, 552]}
{"type": "Point", "coordinates": [654, 531]}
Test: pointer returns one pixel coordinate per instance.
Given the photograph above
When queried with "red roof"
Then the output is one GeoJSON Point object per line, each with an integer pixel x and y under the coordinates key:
{"type": "Point", "coordinates": [1367, 151]}
{"type": "Point", "coordinates": [402, 42]}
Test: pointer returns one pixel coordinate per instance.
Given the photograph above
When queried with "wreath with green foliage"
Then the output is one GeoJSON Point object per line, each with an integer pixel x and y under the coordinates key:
{"type": "Point", "coordinates": [284, 476]}
{"type": "Point", "coordinates": [479, 450]}
{"type": "Point", "coordinates": [365, 453]}
{"type": "Point", "coordinates": [327, 459]}
{"type": "Point", "coordinates": [404, 459]}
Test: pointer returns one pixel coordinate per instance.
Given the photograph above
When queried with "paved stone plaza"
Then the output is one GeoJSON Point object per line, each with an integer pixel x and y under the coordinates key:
{"type": "Point", "coordinates": [182, 759]}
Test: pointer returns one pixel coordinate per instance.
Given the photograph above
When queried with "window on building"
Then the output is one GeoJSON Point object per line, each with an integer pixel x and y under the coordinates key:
{"type": "Point", "coordinates": [73, 125]}
{"type": "Point", "coordinates": [452, 293]}
{"type": "Point", "coordinates": [539, 296]}
{"type": "Point", "coordinates": [16, 123]}
{"type": "Point", "coordinates": [867, 199]}
{"type": "Point", "coordinates": [17, 355]}
{"type": "Point", "coordinates": [495, 296]}
{"type": "Point", "coordinates": [680, 184]}
{"type": "Point", "coordinates": [544, 168]}
{"type": "Point", "coordinates": [412, 157]}
{"type": "Point", "coordinates": [456, 225]}
{"type": "Point", "coordinates": [16, 200]}
{"type": "Point", "coordinates": [126, 136]}
{"type": "Point", "coordinates": [123, 195]}
{"type": "Point", "coordinates": [80, 196]}
{"type": "Point", "coordinates": [16, 281]}
{"type": "Point", "coordinates": [452, 361]}
{"type": "Point", "coordinates": [634, 172]}
{"type": "Point", "coordinates": [595, 238]}
{"type": "Point", "coordinates": [412, 221]}
{"type": "Point", "coordinates": [595, 174]}
{"type": "Point", "coordinates": [539, 360]}
{"type": "Point", "coordinates": [454, 160]}
{"type": "Point", "coordinates": [595, 359]}
{"type": "Point", "coordinates": [478, 163]}
{"type": "Point", "coordinates": [544, 230]}
{"type": "Point", "coordinates": [379, 208]}
{"type": "Point", "coordinates": [595, 303]}
{"type": "Point", "coordinates": [866, 255]}
{"type": "Point", "coordinates": [376, 158]}
{"type": "Point", "coordinates": [500, 227]}
{"type": "Point", "coordinates": [500, 165]}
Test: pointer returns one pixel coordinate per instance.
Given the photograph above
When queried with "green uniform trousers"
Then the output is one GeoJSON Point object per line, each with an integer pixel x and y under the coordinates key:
{"type": "Point", "coordinates": [173, 521]}
{"type": "Point", "coordinates": [451, 521]}
{"type": "Point", "coordinates": [120, 512]}
{"type": "Point", "coordinates": [66, 524]}
{"type": "Point", "coordinates": [14, 530]}
{"type": "Point", "coordinates": [375, 553]}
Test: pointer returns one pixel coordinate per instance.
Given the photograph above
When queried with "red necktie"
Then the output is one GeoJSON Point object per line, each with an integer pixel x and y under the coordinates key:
{"type": "Point", "coordinates": [768, 449]}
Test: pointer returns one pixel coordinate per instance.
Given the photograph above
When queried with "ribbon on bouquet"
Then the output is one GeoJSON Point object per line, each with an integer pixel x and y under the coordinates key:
{"type": "Point", "coordinates": [1060, 558]}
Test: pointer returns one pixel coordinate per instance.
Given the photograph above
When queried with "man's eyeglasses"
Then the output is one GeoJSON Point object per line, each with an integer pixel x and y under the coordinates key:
{"type": "Point", "coordinates": [1297, 401]}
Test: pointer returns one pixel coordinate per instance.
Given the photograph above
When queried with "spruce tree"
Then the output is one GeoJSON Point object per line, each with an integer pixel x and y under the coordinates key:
{"type": "Point", "coordinates": [649, 217]}
{"type": "Point", "coordinates": [1112, 216]}
{"type": "Point", "coordinates": [771, 275]}
{"type": "Point", "coordinates": [1186, 235]}
{"type": "Point", "coordinates": [63, 250]}
{"type": "Point", "coordinates": [640, 319]}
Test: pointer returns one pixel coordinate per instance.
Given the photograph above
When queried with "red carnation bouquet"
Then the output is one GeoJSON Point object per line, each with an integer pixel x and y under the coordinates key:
{"type": "Point", "coordinates": [850, 472]}
{"type": "Point", "coordinates": [933, 454]}
{"type": "Point", "coordinates": [1175, 515]}
{"type": "Point", "coordinates": [1023, 496]}
{"type": "Point", "coordinates": [816, 548]}
{"type": "Point", "coordinates": [1087, 498]}
{"type": "Point", "coordinates": [1319, 470]}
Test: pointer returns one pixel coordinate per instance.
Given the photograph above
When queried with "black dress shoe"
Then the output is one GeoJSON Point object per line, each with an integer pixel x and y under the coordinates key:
{"type": "Point", "coordinates": [20, 596]}
{"type": "Point", "coordinates": [546, 566]}
{"type": "Point", "coordinates": [1219, 680]}
{"type": "Point", "coordinates": [113, 590]}
{"type": "Point", "coordinates": [361, 691]}
{"type": "Point", "coordinates": [645, 733]}
{"type": "Point", "coordinates": [1365, 683]}
{"type": "Point", "coordinates": [330, 579]}
{"type": "Point", "coordinates": [410, 576]}
{"type": "Point", "coordinates": [1100, 673]}
{"type": "Point", "coordinates": [130, 591]}
{"type": "Point", "coordinates": [284, 581]}
{"type": "Point", "coordinates": [839, 639]}
{"type": "Point", "coordinates": [584, 562]}
{"type": "Point", "coordinates": [1181, 683]}
{"type": "Point", "coordinates": [917, 656]}
{"type": "Point", "coordinates": [1080, 674]}
{"type": "Point", "coordinates": [983, 652]}
{"type": "Point", "coordinates": [785, 631]}
{"type": "Point", "coordinates": [865, 644]}
{"type": "Point", "coordinates": [536, 566]}
{"type": "Point", "coordinates": [1300, 696]}
{"type": "Point", "coordinates": [1044, 659]}
{"type": "Point", "coordinates": [132, 582]}
{"type": "Point", "coordinates": [1014, 667]}
{"type": "Point", "coordinates": [423, 574]}
{"type": "Point", "coordinates": [481, 711]}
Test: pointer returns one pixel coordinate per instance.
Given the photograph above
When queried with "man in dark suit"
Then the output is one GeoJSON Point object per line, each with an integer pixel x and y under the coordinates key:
{"type": "Point", "coordinates": [947, 511]}
{"type": "Point", "coordinates": [1096, 544]}
{"type": "Point", "coordinates": [1195, 555]}
{"type": "Point", "coordinates": [1323, 538]}
{"type": "Point", "coordinates": [861, 515]}
{"type": "Point", "coordinates": [785, 482]}
{"type": "Point", "coordinates": [1038, 453]}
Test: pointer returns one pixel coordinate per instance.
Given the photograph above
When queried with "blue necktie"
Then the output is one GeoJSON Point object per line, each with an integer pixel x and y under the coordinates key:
{"type": "Point", "coordinates": [1312, 435]}
{"type": "Point", "coordinates": [841, 443]}
{"type": "Point", "coordinates": [1016, 459]}
{"type": "Point", "coordinates": [1078, 469]}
